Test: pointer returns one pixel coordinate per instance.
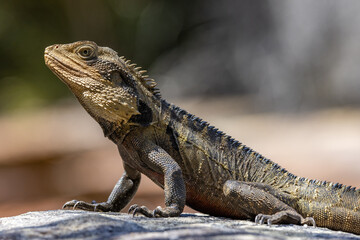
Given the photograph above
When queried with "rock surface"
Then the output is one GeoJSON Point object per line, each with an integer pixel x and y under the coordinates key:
{"type": "Point", "coordinates": [80, 224]}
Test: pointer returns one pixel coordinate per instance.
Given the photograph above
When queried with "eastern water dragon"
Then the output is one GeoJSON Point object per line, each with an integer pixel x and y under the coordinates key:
{"type": "Point", "coordinates": [195, 163]}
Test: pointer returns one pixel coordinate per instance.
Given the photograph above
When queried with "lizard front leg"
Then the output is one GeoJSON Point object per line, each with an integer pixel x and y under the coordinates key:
{"type": "Point", "coordinates": [174, 186]}
{"type": "Point", "coordinates": [120, 196]}
{"type": "Point", "coordinates": [265, 203]}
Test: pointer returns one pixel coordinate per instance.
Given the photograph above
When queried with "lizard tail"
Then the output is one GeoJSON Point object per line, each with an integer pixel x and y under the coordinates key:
{"type": "Point", "coordinates": [332, 205]}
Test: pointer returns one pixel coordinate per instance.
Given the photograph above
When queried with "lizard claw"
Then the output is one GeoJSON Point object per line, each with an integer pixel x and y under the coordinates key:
{"type": "Point", "coordinates": [136, 209]}
{"type": "Point", "coordinates": [70, 204]}
{"type": "Point", "coordinates": [260, 219]}
{"type": "Point", "coordinates": [132, 208]}
{"type": "Point", "coordinates": [158, 212]}
{"type": "Point", "coordinates": [81, 205]}
{"type": "Point", "coordinates": [77, 204]}
{"type": "Point", "coordinates": [290, 217]}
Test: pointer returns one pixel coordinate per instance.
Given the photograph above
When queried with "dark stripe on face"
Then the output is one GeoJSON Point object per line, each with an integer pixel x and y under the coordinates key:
{"type": "Point", "coordinates": [114, 73]}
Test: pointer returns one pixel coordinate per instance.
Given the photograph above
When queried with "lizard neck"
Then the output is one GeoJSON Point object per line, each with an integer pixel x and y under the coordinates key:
{"type": "Point", "coordinates": [150, 114]}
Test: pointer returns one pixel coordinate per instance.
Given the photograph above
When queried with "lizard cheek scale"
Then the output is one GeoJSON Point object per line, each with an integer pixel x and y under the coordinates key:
{"type": "Point", "coordinates": [195, 163]}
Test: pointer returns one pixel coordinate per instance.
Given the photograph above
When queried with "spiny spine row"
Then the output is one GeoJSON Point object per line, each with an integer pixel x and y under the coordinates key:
{"type": "Point", "coordinates": [236, 144]}
{"type": "Point", "coordinates": [148, 82]}
{"type": "Point", "coordinates": [202, 124]}
{"type": "Point", "coordinates": [233, 143]}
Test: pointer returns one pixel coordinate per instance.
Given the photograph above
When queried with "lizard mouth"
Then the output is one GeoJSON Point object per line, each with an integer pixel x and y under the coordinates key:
{"type": "Point", "coordinates": [61, 64]}
{"type": "Point", "coordinates": [58, 66]}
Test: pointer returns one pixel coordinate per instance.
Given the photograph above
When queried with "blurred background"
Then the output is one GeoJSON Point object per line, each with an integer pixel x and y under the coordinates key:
{"type": "Point", "coordinates": [280, 76]}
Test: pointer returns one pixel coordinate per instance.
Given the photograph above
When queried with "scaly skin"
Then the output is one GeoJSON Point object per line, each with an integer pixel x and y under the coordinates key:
{"type": "Point", "coordinates": [193, 162]}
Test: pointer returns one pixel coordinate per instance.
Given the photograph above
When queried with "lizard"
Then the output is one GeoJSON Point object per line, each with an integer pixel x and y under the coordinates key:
{"type": "Point", "coordinates": [195, 163]}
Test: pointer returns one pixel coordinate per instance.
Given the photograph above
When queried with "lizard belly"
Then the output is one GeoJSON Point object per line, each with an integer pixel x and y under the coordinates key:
{"type": "Point", "coordinates": [213, 202]}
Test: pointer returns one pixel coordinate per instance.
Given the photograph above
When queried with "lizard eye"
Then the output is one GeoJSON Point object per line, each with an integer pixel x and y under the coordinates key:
{"type": "Point", "coordinates": [86, 52]}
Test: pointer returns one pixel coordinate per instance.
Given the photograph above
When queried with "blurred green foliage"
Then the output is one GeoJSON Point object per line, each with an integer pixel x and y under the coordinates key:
{"type": "Point", "coordinates": [139, 29]}
{"type": "Point", "coordinates": [288, 55]}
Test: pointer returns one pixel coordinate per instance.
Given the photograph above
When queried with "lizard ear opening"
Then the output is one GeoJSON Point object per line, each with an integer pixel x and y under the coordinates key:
{"type": "Point", "coordinates": [116, 78]}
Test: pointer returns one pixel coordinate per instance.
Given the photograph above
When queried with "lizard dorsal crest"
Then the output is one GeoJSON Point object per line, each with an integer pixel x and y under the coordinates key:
{"type": "Point", "coordinates": [148, 83]}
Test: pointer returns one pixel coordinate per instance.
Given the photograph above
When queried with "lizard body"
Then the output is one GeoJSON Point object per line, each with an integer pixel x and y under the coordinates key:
{"type": "Point", "coordinates": [195, 163]}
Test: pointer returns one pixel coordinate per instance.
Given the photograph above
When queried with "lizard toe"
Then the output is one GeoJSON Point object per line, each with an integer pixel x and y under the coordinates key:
{"type": "Point", "coordinates": [285, 217]}
{"type": "Point", "coordinates": [143, 210]}
{"type": "Point", "coordinates": [69, 204]}
{"type": "Point", "coordinates": [132, 208]}
{"type": "Point", "coordinates": [171, 211]}
{"type": "Point", "coordinates": [262, 218]}
{"type": "Point", "coordinates": [81, 205]}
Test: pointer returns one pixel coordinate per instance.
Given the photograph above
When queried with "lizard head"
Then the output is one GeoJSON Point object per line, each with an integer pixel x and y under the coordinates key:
{"type": "Point", "coordinates": [107, 86]}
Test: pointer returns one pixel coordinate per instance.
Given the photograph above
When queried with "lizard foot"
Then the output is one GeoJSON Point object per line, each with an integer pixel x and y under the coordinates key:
{"type": "Point", "coordinates": [95, 207]}
{"type": "Point", "coordinates": [158, 212]}
{"type": "Point", "coordinates": [288, 217]}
